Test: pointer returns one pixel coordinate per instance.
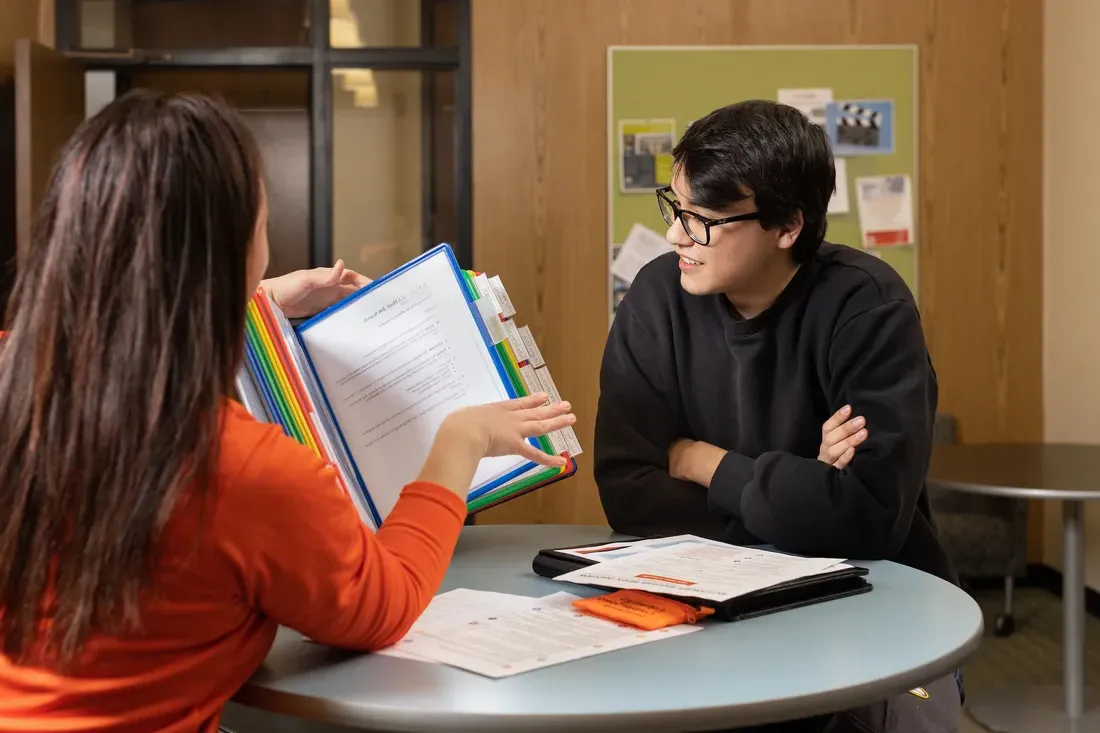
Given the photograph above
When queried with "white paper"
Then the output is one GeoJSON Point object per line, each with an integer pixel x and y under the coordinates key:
{"type": "Point", "coordinates": [811, 102]}
{"type": "Point", "coordinates": [705, 570]}
{"type": "Point", "coordinates": [512, 640]}
{"type": "Point", "coordinates": [519, 349]}
{"type": "Point", "coordinates": [641, 247]}
{"type": "Point", "coordinates": [532, 348]}
{"type": "Point", "coordinates": [485, 290]}
{"type": "Point", "coordinates": [615, 550]}
{"type": "Point", "coordinates": [506, 308]}
{"type": "Point", "coordinates": [394, 363]}
{"type": "Point", "coordinates": [838, 204]}
{"type": "Point", "coordinates": [457, 606]}
{"type": "Point", "coordinates": [885, 210]}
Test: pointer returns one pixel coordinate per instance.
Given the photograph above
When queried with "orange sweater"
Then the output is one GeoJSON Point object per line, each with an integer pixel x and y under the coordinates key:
{"type": "Point", "coordinates": [281, 545]}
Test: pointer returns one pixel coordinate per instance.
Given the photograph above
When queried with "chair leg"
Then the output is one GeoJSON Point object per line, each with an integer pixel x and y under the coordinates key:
{"type": "Point", "coordinates": [1006, 624]}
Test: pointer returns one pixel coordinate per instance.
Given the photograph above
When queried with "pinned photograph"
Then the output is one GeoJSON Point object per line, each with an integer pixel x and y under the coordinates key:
{"type": "Point", "coordinates": [864, 127]}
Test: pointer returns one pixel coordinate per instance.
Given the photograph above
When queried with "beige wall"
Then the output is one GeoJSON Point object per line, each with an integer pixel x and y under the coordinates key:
{"type": "Point", "coordinates": [1071, 252]}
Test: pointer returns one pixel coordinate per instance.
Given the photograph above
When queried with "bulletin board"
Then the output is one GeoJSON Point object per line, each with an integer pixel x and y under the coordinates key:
{"type": "Point", "coordinates": [654, 92]}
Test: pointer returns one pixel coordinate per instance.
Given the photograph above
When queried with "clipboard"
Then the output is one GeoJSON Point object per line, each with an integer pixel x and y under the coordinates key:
{"type": "Point", "coordinates": [805, 591]}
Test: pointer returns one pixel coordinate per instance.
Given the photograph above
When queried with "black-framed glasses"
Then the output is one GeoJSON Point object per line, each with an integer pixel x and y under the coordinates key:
{"type": "Point", "coordinates": [697, 226]}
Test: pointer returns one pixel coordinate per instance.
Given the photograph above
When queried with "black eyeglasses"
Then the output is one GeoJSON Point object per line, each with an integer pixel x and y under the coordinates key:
{"type": "Point", "coordinates": [696, 225]}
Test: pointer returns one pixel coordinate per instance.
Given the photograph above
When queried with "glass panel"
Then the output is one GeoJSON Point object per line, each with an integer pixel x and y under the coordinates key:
{"type": "Point", "coordinates": [373, 23]}
{"type": "Point", "coordinates": [393, 164]}
{"type": "Point", "coordinates": [190, 24]}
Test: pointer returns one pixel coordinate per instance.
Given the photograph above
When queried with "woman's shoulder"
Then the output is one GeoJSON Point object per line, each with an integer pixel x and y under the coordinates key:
{"type": "Point", "coordinates": [251, 449]}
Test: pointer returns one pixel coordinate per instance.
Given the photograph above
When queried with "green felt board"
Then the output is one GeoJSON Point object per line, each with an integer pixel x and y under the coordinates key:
{"type": "Point", "coordinates": [685, 84]}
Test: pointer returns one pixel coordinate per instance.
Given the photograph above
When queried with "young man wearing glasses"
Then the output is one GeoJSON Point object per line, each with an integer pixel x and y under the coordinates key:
{"type": "Point", "coordinates": [760, 385]}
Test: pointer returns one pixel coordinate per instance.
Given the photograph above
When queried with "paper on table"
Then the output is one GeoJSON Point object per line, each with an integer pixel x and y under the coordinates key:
{"type": "Point", "coordinates": [642, 246]}
{"type": "Point", "coordinates": [515, 640]}
{"type": "Point", "coordinates": [457, 606]}
{"type": "Point", "coordinates": [708, 571]}
{"type": "Point", "coordinates": [615, 550]}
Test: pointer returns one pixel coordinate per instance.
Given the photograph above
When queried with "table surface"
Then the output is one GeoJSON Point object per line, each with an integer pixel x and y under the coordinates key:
{"type": "Point", "coordinates": [1020, 470]}
{"type": "Point", "coordinates": [911, 629]}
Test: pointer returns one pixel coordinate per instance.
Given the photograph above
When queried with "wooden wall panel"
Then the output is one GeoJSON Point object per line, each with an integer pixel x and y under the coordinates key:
{"type": "Point", "coordinates": [540, 173]}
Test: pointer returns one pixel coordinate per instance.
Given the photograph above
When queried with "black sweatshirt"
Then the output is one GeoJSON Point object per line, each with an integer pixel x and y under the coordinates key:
{"type": "Point", "coordinates": [845, 330]}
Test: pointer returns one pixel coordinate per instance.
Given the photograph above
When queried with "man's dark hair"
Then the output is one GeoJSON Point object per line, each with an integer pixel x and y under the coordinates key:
{"type": "Point", "coordinates": [768, 151]}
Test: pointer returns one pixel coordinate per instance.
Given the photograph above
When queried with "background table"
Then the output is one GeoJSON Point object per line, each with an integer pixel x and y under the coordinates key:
{"type": "Point", "coordinates": [1070, 473]}
{"type": "Point", "coordinates": [911, 629]}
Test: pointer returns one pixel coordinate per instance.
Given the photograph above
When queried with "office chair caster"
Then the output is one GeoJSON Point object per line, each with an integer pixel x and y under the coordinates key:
{"type": "Point", "coordinates": [1005, 625]}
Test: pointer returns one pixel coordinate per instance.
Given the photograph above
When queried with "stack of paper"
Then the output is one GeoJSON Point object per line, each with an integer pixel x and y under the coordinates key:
{"type": "Point", "coordinates": [693, 567]}
{"type": "Point", "coordinates": [366, 384]}
{"type": "Point", "coordinates": [497, 635]}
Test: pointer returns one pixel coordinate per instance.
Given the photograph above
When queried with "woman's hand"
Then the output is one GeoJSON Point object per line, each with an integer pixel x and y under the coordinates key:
{"type": "Point", "coordinates": [496, 429]}
{"type": "Point", "coordinates": [502, 428]}
{"type": "Point", "coordinates": [304, 293]}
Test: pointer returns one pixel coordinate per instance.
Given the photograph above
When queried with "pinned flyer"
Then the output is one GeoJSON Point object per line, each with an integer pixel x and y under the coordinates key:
{"type": "Point", "coordinates": [503, 301]}
{"type": "Point", "coordinates": [536, 359]}
{"type": "Point", "coordinates": [885, 210]}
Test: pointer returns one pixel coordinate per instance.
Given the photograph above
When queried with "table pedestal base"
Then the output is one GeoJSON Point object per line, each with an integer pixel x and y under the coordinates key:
{"type": "Point", "coordinates": [1032, 710]}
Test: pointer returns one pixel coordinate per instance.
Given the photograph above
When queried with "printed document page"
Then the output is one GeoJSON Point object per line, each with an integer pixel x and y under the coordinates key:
{"type": "Point", "coordinates": [522, 637]}
{"type": "Point", "coordinates": [396, 361]}
{"type": "Point", "coordinates": [705, 570]}
{"type": "Point", "coordinates": [458, 606]}
{"type": "Point", "coordinates": [615, 550]}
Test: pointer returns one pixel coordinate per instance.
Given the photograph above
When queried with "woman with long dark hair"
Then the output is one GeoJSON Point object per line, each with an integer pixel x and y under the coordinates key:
{"type": "Point", "coordinates": [153, 535]}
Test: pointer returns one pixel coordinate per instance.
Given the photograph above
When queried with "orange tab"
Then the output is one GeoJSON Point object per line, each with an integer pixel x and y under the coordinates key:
{"type": "Point", "coordinates": [640, 609]}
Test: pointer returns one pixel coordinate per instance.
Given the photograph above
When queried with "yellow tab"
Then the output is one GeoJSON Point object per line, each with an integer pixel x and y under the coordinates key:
{"type": "Point", "coordinates": [919, 692]}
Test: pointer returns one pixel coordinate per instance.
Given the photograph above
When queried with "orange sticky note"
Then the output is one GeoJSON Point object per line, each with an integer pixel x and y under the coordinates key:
{"type": "Point", "coordinates": [640, 609]}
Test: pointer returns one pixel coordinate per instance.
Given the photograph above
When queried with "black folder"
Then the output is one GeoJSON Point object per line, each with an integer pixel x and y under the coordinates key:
{"type": "Point", "coordinates": [804, 591]}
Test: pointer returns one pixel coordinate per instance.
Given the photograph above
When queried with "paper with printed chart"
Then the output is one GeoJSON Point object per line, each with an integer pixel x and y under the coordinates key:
{"type": "Point", "coordinates": [516, 634]}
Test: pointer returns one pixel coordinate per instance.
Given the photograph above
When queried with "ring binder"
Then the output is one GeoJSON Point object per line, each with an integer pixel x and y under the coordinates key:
{"type": "Point", "coordinates": [385, 361]}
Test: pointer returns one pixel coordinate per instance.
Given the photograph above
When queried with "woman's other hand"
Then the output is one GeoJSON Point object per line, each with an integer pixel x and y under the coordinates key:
{"type": "Point", "coordinates": [305, 293]}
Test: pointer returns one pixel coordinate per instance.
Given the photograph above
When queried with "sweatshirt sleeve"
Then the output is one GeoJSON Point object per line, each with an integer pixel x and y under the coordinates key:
{"type": "Point", "coordinates": [636, 422]}
{"type": "Point", "coordinates": [880, 366]}
{"type": "Point", "coordinates": [302, 555]}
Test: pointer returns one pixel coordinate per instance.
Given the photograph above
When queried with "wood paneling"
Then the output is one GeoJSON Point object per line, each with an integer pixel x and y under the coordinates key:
{"type": "Point", "coordinates": [540, 172]}
{"type": "Point", "coordinates": [21, 19]}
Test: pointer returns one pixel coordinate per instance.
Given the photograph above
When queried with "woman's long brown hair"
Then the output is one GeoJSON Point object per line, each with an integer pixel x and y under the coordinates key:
{"type": "Point", "coordinates": [123, 334]}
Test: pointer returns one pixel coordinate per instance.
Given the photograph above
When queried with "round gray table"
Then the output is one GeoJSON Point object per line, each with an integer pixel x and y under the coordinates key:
{"type": "Point", "coordinates": [911, 629]}
{"type": "Point", "coordinates": [1071, 474]}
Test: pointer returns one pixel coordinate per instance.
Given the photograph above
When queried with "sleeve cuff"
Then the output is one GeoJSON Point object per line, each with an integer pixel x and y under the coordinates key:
{"type": "Point", "coordinates": [729, 481]}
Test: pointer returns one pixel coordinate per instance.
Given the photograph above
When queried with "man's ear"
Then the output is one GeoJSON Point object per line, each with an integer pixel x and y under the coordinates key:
{"type": "Point", "coordinates": [788, 233]}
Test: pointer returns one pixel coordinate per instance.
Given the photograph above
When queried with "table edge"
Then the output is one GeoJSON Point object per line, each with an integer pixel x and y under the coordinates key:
{"type": "Point", "coordinates": [326, 710]}
{"type": "Point", "coordinates": [1013, 492]}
